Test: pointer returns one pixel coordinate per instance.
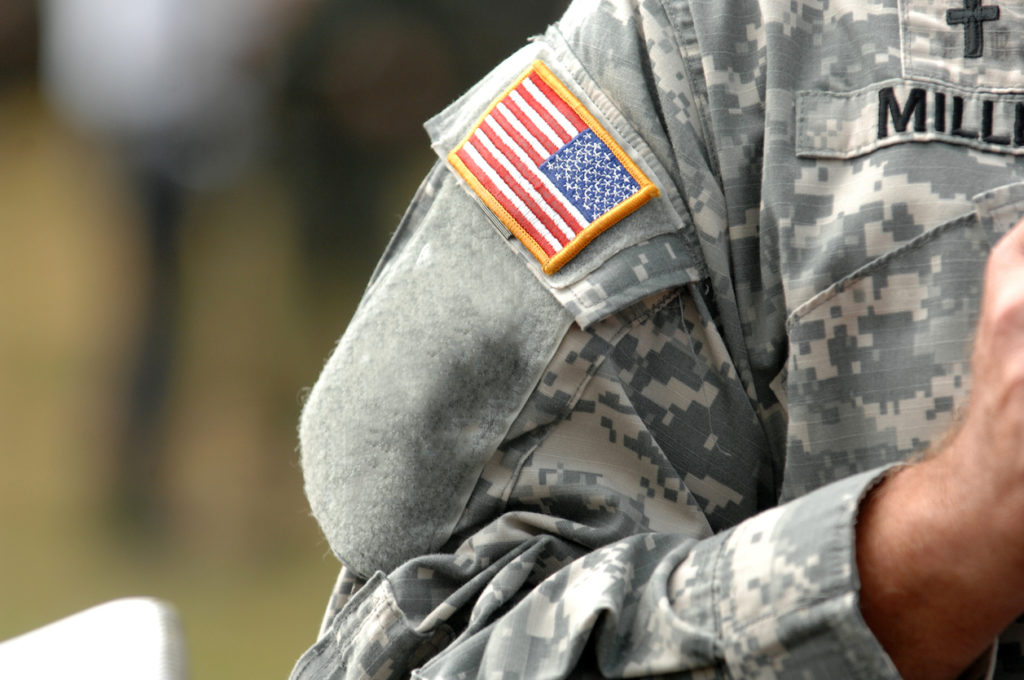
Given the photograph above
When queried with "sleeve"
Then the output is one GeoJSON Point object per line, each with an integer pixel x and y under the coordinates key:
{"type": "Point", "coordinates": [563, 473]}
{"type": "Point", "coordinates": [774, 597]}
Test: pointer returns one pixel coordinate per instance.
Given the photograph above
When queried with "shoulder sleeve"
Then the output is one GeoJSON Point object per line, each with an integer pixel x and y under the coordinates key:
{"type": "Point", "coordinates": [774, 597]}
{"type": "Point", "coordinates": [461, 317]}
{"type": "Point", "coordinates": [449, 343]}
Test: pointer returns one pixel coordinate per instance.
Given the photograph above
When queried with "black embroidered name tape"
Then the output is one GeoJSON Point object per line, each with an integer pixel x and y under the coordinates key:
{"type": "Point", "coordinates": [918, 103]}
{"type": "Point", "coordinates": [901, 110]}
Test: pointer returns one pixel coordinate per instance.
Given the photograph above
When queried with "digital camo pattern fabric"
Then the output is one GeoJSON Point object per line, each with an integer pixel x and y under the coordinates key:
{"type": "Point", "coordinates": [593, 517]}
{"type": "Point", "coordinates": [879, 361]}
{"type": "Point", "coordinates": [675, 490]}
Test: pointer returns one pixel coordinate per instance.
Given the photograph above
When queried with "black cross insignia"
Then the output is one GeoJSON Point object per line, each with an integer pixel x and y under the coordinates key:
{"type": "Point", "coordinates": [972, 16]}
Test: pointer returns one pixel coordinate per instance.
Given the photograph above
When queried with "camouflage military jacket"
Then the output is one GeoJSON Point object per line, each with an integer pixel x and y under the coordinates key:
{"type": "Point", "coordinates": [648, 459]}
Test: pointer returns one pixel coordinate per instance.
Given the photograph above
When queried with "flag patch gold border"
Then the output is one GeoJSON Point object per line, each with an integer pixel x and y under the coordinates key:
{"type": "Point", "coordinates": [569, 227]}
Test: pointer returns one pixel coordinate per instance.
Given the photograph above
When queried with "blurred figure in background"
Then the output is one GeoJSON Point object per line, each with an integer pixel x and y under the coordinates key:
{"type": "Point", "coordinates": [185, 91]}
{"type": "Point", "coordinates": [248, 128]}
{"type": "Point", "coordinates": [177, 86]}
{"type": "Point", "coordinates": [18, 46]}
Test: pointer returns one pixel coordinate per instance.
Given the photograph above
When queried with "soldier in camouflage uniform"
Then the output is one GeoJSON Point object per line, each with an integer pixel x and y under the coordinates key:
{"type": "Point", "coordinates": [644, 451]}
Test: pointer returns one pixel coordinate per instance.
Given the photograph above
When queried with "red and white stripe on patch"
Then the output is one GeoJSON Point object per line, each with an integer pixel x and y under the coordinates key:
{"type": "Point", "coordinates": [548, 170]}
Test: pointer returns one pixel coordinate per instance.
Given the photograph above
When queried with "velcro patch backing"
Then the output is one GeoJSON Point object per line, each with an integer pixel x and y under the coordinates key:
{"type": "Point", "coordinates": [548, 170]}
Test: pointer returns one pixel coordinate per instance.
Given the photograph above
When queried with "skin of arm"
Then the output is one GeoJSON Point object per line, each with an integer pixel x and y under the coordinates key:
{"type": "Point", "coordinates": [940, 544]}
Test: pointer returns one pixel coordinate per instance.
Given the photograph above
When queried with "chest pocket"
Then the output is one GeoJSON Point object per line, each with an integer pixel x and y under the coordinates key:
{"type": "Point", "coordinates": [879, 362]}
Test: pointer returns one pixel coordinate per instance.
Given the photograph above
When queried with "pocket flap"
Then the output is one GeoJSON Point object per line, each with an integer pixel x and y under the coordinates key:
{"type": "Point", "coordinates": [880, 361]}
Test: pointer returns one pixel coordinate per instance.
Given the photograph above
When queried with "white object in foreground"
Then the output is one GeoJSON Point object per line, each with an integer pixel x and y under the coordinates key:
{"type": "Point", "coordinates": [129, 639]}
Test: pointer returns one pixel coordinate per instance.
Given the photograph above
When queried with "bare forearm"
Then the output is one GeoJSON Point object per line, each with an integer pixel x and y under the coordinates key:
{"type": "Point", "coordinates": [933, 589]}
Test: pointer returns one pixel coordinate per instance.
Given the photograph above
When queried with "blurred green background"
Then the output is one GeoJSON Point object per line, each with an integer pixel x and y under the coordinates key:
{"type": "Point", "coordinates": [185, 484]}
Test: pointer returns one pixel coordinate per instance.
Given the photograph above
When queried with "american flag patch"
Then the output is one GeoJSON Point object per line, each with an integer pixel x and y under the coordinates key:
{"type": "Point", "coordinates": [548, 170]}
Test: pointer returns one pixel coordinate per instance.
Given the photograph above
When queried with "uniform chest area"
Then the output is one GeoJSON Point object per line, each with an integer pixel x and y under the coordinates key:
{"type": "Point", "coordinates": [893, 160]}
{"type": "Point", "coordinates": [883, 122]}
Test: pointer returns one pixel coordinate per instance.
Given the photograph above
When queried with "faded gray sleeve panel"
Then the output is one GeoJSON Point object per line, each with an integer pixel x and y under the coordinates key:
{"type": "Point", "coordinates": [445, 347]}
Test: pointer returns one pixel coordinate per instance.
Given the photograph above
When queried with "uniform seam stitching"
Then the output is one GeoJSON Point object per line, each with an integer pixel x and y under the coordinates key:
{"type": "Point", "coordinates": [700, 103]}
{"type": "Point", "coordinates": [904, 20]}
